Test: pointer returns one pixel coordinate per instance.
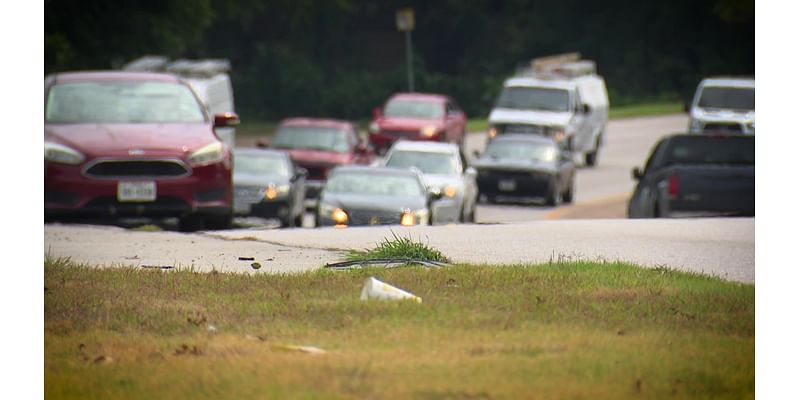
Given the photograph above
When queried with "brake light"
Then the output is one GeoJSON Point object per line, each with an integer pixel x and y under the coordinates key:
{"type": "Point", "coordinates": [673, 186]}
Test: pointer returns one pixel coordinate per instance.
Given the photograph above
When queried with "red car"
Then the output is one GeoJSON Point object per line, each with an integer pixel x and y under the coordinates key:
{"type": "Point", "coordinates": [120, 144]}
{"type": "Point", "coordinates": [319, 145]}
{"type": "Point", "coordinates": [417, 116]}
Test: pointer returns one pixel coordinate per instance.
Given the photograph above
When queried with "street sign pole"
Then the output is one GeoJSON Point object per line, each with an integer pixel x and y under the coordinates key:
{"type": "Point", "coordinates": [405, 23]}
{"type": "Point", "coordinates": [409, 62]}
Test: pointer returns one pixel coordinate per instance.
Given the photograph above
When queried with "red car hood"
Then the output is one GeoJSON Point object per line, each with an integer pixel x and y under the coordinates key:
{"type": "Point", "coordinates": [118, 139]}
{"type": "Point", "coordinates": [407, 124]}
{"type": "Point", "coordinates": [306, 156]}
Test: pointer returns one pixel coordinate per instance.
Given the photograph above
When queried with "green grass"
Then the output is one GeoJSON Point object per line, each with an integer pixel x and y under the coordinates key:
{"type": "Point", "coordinates": [645, 110]}
{"type": "Point", "coordinates": [398, 247]}
{"type": "Point", "coordinates": [558, 330]}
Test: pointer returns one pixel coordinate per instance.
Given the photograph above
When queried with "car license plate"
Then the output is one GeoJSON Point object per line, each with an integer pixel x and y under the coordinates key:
{"type": "Point", "coordinates": [136, 191]}
{"type": "Point", "coordinates": [507, 185]}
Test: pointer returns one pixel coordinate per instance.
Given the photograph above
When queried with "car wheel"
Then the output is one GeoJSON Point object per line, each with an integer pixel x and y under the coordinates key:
{"type": "Point", "coordinates": [553, 196]}
{"type": "Point", "coordinates": [217, 222]}
{"type": "Point", "coordinates": [298, 220]}
{"type": "Point", "coordinates": [287, 222]}
{"type": "Point", "coordinates": [591, 157]}
{"type": "Point", "coordinates": [191, 223]}
{"type": "Point", "coordinates": [568, 195]}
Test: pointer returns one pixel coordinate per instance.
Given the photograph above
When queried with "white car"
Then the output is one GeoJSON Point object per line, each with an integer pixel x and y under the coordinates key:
{"type": "Point", "coordinates": [724, 105]}
{"type": "Point", "coordinates": [445, 170]}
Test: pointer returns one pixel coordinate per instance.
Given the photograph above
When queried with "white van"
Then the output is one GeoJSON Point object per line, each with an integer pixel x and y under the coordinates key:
{"type": "Point", "coordinates": [724, 105]}
{"type": "Point", "coordinates": [561, 97]}
{"type": "Point", "coordinates": [208, 78]}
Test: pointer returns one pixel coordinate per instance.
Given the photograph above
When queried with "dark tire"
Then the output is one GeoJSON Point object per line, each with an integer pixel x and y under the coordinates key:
{"type": "Point", "coordinates": [191, 223]}
{"type": "Point", "coordinates": [591, 159]}
{"type": "Point", "coordinates": [568, 195]}
{"type": "Point", "coordinates": [287, 222]}
{"type": "Point", "coordinates": [217, 222]}
{"type": "Point", "coordinates": [298, 220]}
{"type": "Point", "coordinates": [553, 196]}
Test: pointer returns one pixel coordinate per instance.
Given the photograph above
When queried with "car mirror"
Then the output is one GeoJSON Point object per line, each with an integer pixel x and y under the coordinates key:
{"type": "Point", "coordinates": [262, 143]}
{"type": "Point", "coordinates": [471, 172]}
{"type": "Point", "coordinates": [476, 153]}
{"type": "Point", "coordinates": [435, 194]}
{"type": "Point", "coordinates": [226, 119]}
{"type": "Point", "coordinates": [586, 109]}
{"type": "Point", "coordinates": [636, 173]}
{"type": "Point", "coordinates": [686, 107]}
{"type": "Point", "coordinates": [299, 174]}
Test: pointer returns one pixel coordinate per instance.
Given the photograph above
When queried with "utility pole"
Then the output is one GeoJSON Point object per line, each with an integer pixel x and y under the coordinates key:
{"type": "Point", "coordinates": [405, 23]}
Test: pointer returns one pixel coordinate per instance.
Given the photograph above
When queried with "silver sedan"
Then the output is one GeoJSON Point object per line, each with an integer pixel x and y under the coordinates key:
{"type": "Point", "coordinates": [445, 170]}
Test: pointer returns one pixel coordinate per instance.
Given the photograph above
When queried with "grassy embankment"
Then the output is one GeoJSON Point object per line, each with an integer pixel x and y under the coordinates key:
{"type": "Point", "coordinates": [558, 330]}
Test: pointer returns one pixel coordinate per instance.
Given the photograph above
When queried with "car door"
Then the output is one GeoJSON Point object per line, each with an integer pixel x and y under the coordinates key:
{"type": "Point", "coordinates": [582, 123]}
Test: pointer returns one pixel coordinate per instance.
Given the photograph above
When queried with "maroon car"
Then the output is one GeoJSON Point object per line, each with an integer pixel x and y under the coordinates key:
{"type": "Point", "coordinates": [119, 144]}
{"type": "Point", "coordinates": [417, 116]}
{"type": "Point", "coordinates": [319, 145]}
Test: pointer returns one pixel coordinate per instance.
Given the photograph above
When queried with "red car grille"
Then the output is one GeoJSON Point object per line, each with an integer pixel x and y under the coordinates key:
{"type": "Point", "coordinates": [401, 134]}
{"type": "Point", "coordinates": [144, 168]}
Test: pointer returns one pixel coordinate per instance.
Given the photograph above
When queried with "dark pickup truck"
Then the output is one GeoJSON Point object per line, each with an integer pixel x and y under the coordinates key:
{"type": "Point", "coordinates": [696, 176]}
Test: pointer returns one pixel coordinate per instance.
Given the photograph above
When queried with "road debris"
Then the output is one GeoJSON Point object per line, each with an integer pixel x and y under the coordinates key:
{"type": "Point", "coordinates": [157, 266]}
{"type": "Point", "coordinates": [256, 265]}
{"type": "Point", "coordinates": [247, 258]}
{"type": "Point", "coordinates": [375, 289]}
{"type": "Point", "coordinates": [386, 263]}
{"type": "Point", "coordinates": [303, 349]}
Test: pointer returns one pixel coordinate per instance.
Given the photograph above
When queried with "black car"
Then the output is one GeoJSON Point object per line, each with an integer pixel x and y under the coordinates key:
{"type": "Point", "coordinates": [267, 184]}
{"type": "Point", "coordinates": [697, 175]}
{"type": "Point", "coordinates": [356, 195]}
{"type": "Point", "coordinates": [526, 166]}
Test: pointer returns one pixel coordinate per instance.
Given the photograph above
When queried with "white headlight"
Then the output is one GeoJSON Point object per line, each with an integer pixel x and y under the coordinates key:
{"type": "Point", "coordinates": [428, 131]}
{"type": "Point", "coordinates": [208, 154]}
{"type": "Point", "coordinates": [58, 153]}
{"type": "Point", "coordinates": [550, 155]}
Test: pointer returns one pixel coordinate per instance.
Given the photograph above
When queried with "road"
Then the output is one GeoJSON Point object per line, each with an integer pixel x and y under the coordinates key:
{"type": "Point", "coordinates": [525, 233]}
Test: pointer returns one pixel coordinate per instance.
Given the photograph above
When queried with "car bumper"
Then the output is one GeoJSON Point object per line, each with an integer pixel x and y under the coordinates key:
{"type": "Point", "coordinates": [515, 184]}
{"type": "Point", "coordinates": [385, 140]}
{"type": "Point", "coordinates": [68, 192]}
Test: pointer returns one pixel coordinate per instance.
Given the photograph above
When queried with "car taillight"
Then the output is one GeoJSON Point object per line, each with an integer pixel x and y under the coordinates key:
{"type": "Point", "coordinates": [673, 186]}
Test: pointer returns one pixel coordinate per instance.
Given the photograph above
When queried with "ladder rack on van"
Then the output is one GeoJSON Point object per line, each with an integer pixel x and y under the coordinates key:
{"type": "Point", "coordinates": [568, 65]}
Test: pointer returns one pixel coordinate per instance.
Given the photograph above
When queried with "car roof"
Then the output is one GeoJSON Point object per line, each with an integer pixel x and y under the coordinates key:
{"type": "Point", "coordinates": [259, 151]}
{"type": "Point", "coordinates": [94, 76]}
{"type": "Point", "coordinates": [524, 138]}
{"type": "Point", "coordinates": [316, 122]}
{"type": "Point", "coordinates": [431, 147]}
{"type": "Point", "coordinates": [729, 82]}
{"type": "Point", "coordinates": [420, 96]}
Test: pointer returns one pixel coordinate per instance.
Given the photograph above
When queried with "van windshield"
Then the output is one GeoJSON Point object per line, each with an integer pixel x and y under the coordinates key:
{"type": "Point", "coordinates": [311, 138]}
{"type": "Point", "coordinates": [122, 102]}
{"type": "Point", "coordinates": [529, 98]}
{"type": "Point", "coordinates": [728, 98]}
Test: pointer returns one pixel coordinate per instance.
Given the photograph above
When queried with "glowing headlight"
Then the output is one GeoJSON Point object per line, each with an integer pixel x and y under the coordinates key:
{"type": "Point", "coordinates": [428, 131]}
{"type": "Point", "coordinates": [492, 132]}
{"type": "Point", "coordinates": [450, 191]}
{"type": "Point", "coordinates": [550, 155]}
{"type": "Point", "coordinates": [557, 133]}
{"type": "Point", "coordinates": [58, 153]}
{"type": "Point", "coordinates": [208, 154]}
{"type": "Point", "coordinates": [373, 127]}
{"type": "Point", "coordinates": [339, 216]}
{"type": "Point", "coordinates": [407, 218]}
{"type": "Point", "coordinates": [273, 191]}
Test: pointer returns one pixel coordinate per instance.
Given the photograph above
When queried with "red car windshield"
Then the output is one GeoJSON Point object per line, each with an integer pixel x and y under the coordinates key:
{"type": "Point", "coordinates": [122, 102]}
{"type": "Point", "coordinates": [413, 109]}
{"type": "Point", "coordinates": [311, 138]}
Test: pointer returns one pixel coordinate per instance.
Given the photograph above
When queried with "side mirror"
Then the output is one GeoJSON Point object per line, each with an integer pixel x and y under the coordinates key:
{"type": "Point", "coordinates": [262, 143]}
{"type": "Point", "coordinates": [686, 107]}
{"type": "Point", "coordinates": [435, 194]}
{"type": "Point", "coordinates": [636, 173]}
{"type": "Point", "coordinates": [301, 173]}
{"type": "Point", "coordinates": [471, 172]}
{"type": "Point", "coordinates": [376, 112]}
{"type": "Point", "coordinates": [476, 153]}
{"type": "Point", "coordinates": [586, 109]}
{"type": "Point", "coordinates": [225, 119]}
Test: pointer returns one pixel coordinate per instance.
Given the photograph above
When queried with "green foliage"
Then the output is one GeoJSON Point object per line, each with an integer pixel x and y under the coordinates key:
{"type": "Point", "coordinates": [343, 58]}
{"type": "Point", "coordinates": [399, 247]}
